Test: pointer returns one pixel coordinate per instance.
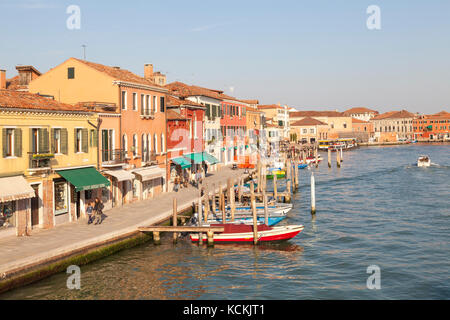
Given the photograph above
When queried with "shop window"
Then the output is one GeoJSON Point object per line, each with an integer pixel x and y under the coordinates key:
{"type": "Point", "coordinates": [88, 195]}
{"type": "Point", "coordinates": [61, 198]}
{"type": "Point", "coordinates": [7, 214]}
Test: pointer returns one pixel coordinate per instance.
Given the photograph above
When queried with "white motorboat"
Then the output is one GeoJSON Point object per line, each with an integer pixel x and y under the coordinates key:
{"type": "Point", "coordinates": [423, 161]}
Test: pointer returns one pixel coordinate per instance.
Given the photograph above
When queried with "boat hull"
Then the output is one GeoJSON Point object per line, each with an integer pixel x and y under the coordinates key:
{"type": "Point", "coordinates": [249, 220]}
{"type": "Point", "coordinates": [274, 234]}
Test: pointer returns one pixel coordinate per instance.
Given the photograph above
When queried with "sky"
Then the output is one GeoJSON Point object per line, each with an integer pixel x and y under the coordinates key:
{"type": "Point", "coordinates": [310, 55]}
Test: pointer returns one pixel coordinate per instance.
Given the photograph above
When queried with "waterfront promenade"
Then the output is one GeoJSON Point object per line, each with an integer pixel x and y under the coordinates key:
{"type": "Point", "coordinates": [21, 253]}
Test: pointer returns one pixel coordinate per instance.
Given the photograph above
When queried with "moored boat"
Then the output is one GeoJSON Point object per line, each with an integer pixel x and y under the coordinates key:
{"type": "Point", "coordinates": [279, 173]}
{"type": "Point", "coordinates": [244, 233]}
{"type": "Point", "coordinates": [272, 220]}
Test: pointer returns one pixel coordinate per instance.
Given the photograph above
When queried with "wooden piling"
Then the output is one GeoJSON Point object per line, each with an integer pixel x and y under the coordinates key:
{"type": "Point", "coordinates": [224, 214]}
{"type": "Point", "coordinates": [313, 194]}
{"type": "Point", "coordinates": [206, 202]}
{"type": "Point", "coordinates": [275, 191]}
{"type": "Point", "coordinates": [338, 158]}
{"type": "Point", "coordinates": [342, 155]}
{"type": "Point", "coordinates": [210, 238]}
{"type": "Point", "coordinates": [296, 175]}
{"type": "Point", "coordinates": [214, 199]}
{"type": "Point", "coordinates": [175, 219]}
{"type": "Point", "coordinates": [156, 238]}
{"type": "Point", "coordinates": [329, 157]}
{"type": "Point", "coordinates": [266, 209]}
{"type": "Point", "coordinates": [288, 182]}
{"type": "Point", "coordinates": [258, 188]}
{"type": "Point", "coordinates": [231, 197]}
{"type": "Point", "coordinates": [255, 219]}
{"type": "Point", "coordinates": [200, 218]}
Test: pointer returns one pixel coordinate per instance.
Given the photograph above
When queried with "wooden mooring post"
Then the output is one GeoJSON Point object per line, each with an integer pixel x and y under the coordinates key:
{"type": "Point", "coordinates": [214, 199]}
{"type": "Point", "coordinates": [329, 157]}
{"type": "Point", "coordinates": [275, 191]}
{"type": "Point", "coordinates": [266, 209]}
{"type": "Point", "coordinates": [289, 170]}
{"type": "Point", "coordinates": [175, 219]}
{"type": "Point", "coordinates": [296, 175]}
{"type": "Point", "coordinates": [200, 218]}
{"type": "Point", "coordinates": [338, 158]}
{"type": "Point", "coordinates": [255, 218]}
{"type": "Point", "coordinates": [313, 194]}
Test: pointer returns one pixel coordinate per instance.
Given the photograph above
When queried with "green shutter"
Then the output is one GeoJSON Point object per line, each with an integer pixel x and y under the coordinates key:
{"type": "Point", "coordinates": [161, 104]}
{"type": "Point", "coordinates": [75, 140]}
{"type": "Point", "coordinates": [84, 140]}
{"type": "Point", "coordinates": [4, 142]}
{"type": "Point", "coordinates": [64, 141]}
{"type": "Point", "coordinates": [52, 141]}
{"type": "Point", "coordinates": [208, 111]}
{"type": "Point", "coordinates": [43, 141]}
{"type": "Point", "coordinates": [18, 142]}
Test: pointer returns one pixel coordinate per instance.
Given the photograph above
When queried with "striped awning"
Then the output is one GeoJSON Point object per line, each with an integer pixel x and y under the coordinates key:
{"type": "Point", "coordinates": [120, 175]}
{"type": "Point", "coordinates": [150, 173]}
{"type": "Point", "coordinates": [15, 188]}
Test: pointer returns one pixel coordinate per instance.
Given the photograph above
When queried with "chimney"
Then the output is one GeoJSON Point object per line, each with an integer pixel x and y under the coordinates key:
{"type": "Point", "coordinates": [2, 79]}
{"type": "Point", "coordinates": [148, 71]}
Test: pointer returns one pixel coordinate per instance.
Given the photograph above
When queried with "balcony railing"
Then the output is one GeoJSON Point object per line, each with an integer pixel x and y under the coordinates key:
{"type": "Point", "coordinates": [40, 160]}
{"type": "Point", "coordinates": [148, 114]}
{"type": "Point", "coordinates": [112, 156]}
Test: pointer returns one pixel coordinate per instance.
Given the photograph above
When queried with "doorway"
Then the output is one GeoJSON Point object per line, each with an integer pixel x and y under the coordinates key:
{"type": "Point", "coordinates": [35, 206]}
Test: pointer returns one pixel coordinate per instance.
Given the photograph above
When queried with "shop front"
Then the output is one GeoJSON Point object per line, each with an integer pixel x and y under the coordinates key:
{"type": "Point", "coordinates": [149, 182]}
{"type": "Point", "coordinates": [15, 195]}
{"type": "Point", "coordinates": [75, 189]}
{"type": "Point", "coordinates": [120, 179]}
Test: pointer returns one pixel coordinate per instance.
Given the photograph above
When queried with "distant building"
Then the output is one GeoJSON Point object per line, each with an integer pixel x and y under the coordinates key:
{"type": "Point", "coordinates": [393, 126]}
{"type": "Point", "coordinates": [362, 130]}
{"type": "Point", "coordinates": [432, 127]}
{"type": "Point", "coordinates": [308, 130]}
{"type": "Point", "coordinates": [280, 115]}
{"type": "Point", "coordinates": [361, 113]}
{"type": "Point", "coordinates": [21, 81]}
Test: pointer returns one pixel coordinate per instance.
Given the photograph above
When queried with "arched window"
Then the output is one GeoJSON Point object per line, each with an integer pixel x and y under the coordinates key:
{"type": "Point", "coordinates": [155, 143]}
{"type": "Point", "coordinates": [149, 142]}
{"type": "Point", "coordinates": [163, 145]}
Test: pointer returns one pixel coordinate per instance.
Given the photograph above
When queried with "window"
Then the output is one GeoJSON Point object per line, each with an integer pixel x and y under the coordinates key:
{"type": "Point", "coordinates": [155, 142]}
{"type": "Point", "coordinates": [195, 126]}
{"type": "Point", "coordinates": [142, 104]}
{"type": "Point", "coordinates": [155, 107]}
{"type": "Point", "coordinates": [70, 73]}
{"type": "Point", "coordinates": [7, 214]}
{"type": "Point", "coordinates": [149, 142]}
{"type": "Point", "coordinates": [135, 145]}
{"type": "Point", "coordinates": [162, 143]}
{"type": "Point", "coordinates": [9, 142]}
{"type": "Point", "coordinates": [305, 131]}
{"type": "Point", "coordinates": [147, 105]}
{"type": "Point", "coordinates": [135, 101]}
{"type": "Point", "coordinates": [124, 100]}
{"type": "Point", "coordinates": [345, 125]}
{"type": "Point", "coordinates": [162, 104]}
{"type": "Point", "coordinates": [61, 198]}
{"type": "Point", "coordinates": [56, 141]}
{"type": "Point", "coordinates": [78, 140]}
{"type": "Point", "coordinates": [34, 140]}
{"type": "Point", "coordinates": [125, 144]}
{"type": "Point", "coordinates": [311, 130]}
{"type": "Point", "coordinates": [144, 147]}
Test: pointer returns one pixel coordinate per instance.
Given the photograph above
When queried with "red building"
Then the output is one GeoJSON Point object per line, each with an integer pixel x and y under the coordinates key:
{"type": "Point", "coordinates": [185, 139]}
{"type": "Point", "coordinates": [432, 127]}
{"type": "Point", "coordinates": [233, 124]}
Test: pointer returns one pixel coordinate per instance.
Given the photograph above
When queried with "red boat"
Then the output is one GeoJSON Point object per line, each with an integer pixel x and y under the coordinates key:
{"type": "Point", "coordinates": [244, 233]}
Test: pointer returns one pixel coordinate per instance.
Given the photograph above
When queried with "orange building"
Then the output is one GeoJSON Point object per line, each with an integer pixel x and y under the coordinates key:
{"type": "Point", "coordinates": [132, 122]}
{"type": "Point", "coordinates": [362, 130]}
{"type": "Point", "coordinates": [432, 127]}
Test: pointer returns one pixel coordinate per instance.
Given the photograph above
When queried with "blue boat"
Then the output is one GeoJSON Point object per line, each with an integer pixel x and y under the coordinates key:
{"type": "Point", "coordinates": [301, 165]}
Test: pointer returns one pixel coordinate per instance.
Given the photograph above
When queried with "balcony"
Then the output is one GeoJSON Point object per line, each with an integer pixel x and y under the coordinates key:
{"type": "Point", "coordinates": [149, 158]}
{"type": "Point", "coordinates": [40, 161]}
{"type": "Point", "coordinates": [113, 157]}
{"type": "Point", "coordinates": [148, 115]}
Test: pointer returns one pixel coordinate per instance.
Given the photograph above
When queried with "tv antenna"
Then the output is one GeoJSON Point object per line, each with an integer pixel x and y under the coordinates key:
{"type": "Point", "coordinates": [84, 51]}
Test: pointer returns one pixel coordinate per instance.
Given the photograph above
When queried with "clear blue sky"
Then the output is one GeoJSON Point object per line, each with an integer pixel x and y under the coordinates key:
{"type": "Point", "coordinates": [315, 55]}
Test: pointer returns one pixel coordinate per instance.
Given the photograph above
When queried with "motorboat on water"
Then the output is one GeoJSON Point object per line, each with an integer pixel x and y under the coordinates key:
{"type": "Point", "coordinates": [423, 161]}
{"type": "Point", "coordinates": [271, 220]}
{"type": "Point", "coordinates": [244, 233]}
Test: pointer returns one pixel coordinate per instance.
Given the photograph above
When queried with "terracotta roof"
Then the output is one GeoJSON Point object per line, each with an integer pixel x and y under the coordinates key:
{"type": "Point", "coordinates": [359, 121]}
{"type": "Point", "coordinates": [184, 90]}
{"type": "Point", "coordinates": [13, 84]}
{"type": "Point", "coordinates": [359, 110]}
{"type": "Point", "coordinates": [251, 101]}
{"type": "Point", "coordinates": [394, 115]}
{"type": "Point", "coordinates": [26, 100]}
{"type": "Point", "coordinates": [177, 102]}
{"type": "Point", "coordinates": [271, 106]}
{"type": "Point", "coordinates": [316, 114]}
{"type": "Point", "coordinates": [308, 121]}
{"type": "Point", "coordinates": [173, 115]}
{"type": "Point", "coordinates": [119, 74]}
{"type": "Point", "coordinates": [442, 113]}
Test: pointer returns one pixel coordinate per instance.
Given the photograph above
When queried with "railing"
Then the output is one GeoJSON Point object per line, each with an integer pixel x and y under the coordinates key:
{"type": "Point", "coordinates": [40, 160]}
{"type": "Point", "coordinates": [148, 114]}
{"type": "Point", "coordinates": [113, 156]}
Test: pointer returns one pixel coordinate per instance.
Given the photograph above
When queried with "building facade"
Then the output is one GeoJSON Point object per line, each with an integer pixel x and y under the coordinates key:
{"type": "Point", "coordinates": [393, 126]}
{"type": "Point", "coordinates": [432, 127]}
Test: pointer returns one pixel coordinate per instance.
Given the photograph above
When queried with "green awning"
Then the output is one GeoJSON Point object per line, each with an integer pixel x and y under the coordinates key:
{"type": "Point", "coordinates": [199, 157]}
{"type": "Point", "coordinates": [84, 178]}
{"type": "Point", "coordinates": [183, 162]}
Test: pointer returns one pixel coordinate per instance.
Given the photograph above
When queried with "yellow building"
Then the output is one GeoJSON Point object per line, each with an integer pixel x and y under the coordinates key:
{"type": "Point", "coordinates": [47, 166]}
{"type": "Point", "coordinates": [308, 130]}
{"type": "Point", "coordinates": [339, 124]}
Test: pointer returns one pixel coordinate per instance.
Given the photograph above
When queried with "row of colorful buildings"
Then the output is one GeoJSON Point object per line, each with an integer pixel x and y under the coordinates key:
{"type": "Point", "coordinates": [84, 130]}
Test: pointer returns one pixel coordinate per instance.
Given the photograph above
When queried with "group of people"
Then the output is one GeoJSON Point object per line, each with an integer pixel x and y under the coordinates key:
{"type": "Point", "coordinates": [195, 179]}
{"type": "Point", "coordinates": [95, 211]}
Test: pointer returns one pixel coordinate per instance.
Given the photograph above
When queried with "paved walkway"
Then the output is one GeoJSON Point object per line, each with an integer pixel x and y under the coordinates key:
{"type": "Point", "coordinates": [20, 252]}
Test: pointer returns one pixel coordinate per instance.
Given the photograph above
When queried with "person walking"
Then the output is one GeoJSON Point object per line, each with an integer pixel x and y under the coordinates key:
{"type": "Point", "coordinates": [98, 209]}
{"type": "Point", "coordinates": [89, 211]}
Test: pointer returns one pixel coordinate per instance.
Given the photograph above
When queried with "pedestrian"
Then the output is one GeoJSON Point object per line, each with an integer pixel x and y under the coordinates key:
{"type": "Point", "coordinates": [176, 182]}
{"type": "Point", "coordinates": [98, 209]}
{"type": "Point", "coordinates": [89, 211]}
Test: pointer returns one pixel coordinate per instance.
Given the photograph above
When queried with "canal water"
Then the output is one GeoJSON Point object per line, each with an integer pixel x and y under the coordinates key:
{"type": "Point", "coordinates": [378, 209]}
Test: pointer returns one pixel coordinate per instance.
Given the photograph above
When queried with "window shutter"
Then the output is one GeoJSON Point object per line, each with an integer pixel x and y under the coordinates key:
{"type": "Point", "coordinates": [4, 142]}
{"type": "Point", "coordinates": [64, 141]}
{"type": "Point", "coordinates": [75, 140]}
{"type": "Point", "coordinates": [18, 142]}
{"type": "Point", "coordinates": [52, 140]}
{"type": "Point", "coordinates": [43, 141]}
{"type": "Point", "coordinates": [84, 140]}
{"type": "Point", "coordinates": [31, 140]}
{"type": "Point", "coordinates": [95, 132]}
